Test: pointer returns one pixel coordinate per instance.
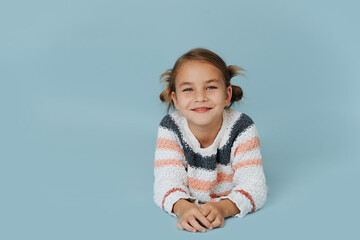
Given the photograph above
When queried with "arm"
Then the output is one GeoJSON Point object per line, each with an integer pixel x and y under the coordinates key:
{"type": "Point", "coordinates": [171, 191]}
{"type": "Point", "coordinates": [170, 183]}
{"type": "Point", "coordinates": [250, 191]}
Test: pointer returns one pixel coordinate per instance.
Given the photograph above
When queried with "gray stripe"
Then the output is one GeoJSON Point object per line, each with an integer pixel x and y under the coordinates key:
{"type": "Point", "coordinates": [222, 155]}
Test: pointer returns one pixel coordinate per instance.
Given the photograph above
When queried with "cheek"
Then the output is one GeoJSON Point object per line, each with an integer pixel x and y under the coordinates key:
{"type": "Point", "coordinates": [184, 100]}
{"type": "Point", "coordinates": [219, 98]}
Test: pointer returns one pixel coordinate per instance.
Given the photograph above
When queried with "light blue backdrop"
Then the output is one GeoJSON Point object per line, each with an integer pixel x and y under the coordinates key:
{"type": "Point", "coordinates": [80, 109]}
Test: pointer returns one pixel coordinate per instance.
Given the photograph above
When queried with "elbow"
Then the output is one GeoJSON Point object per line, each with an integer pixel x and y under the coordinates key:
{"type": "Point", "coordinates": [261, 196]}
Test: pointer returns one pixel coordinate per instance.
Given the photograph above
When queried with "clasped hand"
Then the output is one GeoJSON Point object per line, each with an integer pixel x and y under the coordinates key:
{"type": "Point", "coordinates": [191, 216]}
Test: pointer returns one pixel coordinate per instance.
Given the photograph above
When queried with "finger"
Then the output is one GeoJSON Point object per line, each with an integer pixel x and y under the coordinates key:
{"type": "Point", "coordinates": [179, 226]}
{"type": "Point", "coordinates": [216, 222]}
{"type": "Point", "coordinates": [197, 225]}
{"type": "Point", "coordinates": [204, 221]}
{"type": "Point", "coordinates": [205, 210]}
{"type": "Point", "coordinates": [187, 226]}
{"type": "Point", "coordinates": [211, 217]}
{"type": "Point", "coordinates": [222, 223]}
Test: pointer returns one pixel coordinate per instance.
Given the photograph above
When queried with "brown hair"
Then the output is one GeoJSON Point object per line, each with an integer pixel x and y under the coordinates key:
{"type": "Point", "coordinates": [206, 55]}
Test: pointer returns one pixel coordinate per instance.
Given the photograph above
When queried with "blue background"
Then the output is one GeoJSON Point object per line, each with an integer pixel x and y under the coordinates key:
{"type": "Point", "coordinates": [80, 108]}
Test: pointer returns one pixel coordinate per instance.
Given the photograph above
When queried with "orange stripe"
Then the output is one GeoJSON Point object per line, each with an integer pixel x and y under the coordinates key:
{"type": "Point", "coordinates": [223, 177]}
{"type": "Point", "coordinates": [169, 192]}
{"type": "Point", "coordinates": [215, 195]}
{"type": "Point", "coordinates": [167, 162]}
{"type": "Point", "coordinates": [163, 143]}
{"type": "Point", "coordinates": [249, 197]}
{"type": "Point", "coordinates": [250, 162]}
{"type": "Point", "coordinates": [201, 185]}
{"type": "Point", "coordinates": [205, 186]}
{"type": "Point", "coordinates": [248, 145]}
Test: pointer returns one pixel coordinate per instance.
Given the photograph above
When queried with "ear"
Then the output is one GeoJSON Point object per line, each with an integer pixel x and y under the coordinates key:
{"type": "Point", "coordinates": [173, 97]}
{"type": "Point", "coordinates": [228, 95]}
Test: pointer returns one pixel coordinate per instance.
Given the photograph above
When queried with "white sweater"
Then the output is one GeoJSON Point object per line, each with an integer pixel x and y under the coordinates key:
{"type": "Point", "coordinates": [230, 168]}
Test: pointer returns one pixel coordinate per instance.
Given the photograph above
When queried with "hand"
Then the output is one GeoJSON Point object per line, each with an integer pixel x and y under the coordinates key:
{"type": "Point", "coordinates": [214, 213]}
{"type": "Point", "coordinates": [188, 214]}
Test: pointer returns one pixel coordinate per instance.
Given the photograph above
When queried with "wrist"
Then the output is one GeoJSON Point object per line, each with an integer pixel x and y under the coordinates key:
{"type": "Point", "coordinates": [228, 208]}
{"type": "Point", "coordinates": [178, 205]}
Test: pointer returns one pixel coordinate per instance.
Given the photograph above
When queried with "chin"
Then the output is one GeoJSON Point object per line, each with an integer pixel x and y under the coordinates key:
{"type": "Point", "coordinates": [200, 122]}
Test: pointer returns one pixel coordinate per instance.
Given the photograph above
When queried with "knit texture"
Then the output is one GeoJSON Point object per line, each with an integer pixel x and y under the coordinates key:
{"type": "Point", "coordinates": [230, 168]}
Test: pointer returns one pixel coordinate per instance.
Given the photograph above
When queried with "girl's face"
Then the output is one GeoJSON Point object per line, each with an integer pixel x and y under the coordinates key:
{"type": "Point", "coordinates": [201, 94]}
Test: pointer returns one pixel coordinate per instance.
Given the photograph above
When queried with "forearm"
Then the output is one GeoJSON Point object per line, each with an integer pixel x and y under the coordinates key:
{"type": "Point", "coordinates": [228, 208]}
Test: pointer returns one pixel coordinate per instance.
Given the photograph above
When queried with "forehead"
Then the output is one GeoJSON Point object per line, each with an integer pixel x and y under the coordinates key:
{"type": "Point", "coordinates": [197, 71]}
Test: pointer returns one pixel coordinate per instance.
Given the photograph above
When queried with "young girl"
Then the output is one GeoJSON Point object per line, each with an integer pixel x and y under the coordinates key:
{"type": "Point", "coordinates": [206, 153]}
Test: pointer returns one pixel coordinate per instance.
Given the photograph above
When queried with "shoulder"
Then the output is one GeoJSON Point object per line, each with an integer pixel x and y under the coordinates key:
{"type": "Point", "coordinates": [240, 126]}
{"type": "Point", "coordinates": [172, 123]}
{"type": "Point", "coordinates": [170, 127]}
{"type": "Point", "coordinates": [243, 131]}
{"type": "Point", "coordinates": [165, 120]}
{"type": "Point", "coordinates": [238, 118]}
{"type": "Point", "coordinates": [170, 120]}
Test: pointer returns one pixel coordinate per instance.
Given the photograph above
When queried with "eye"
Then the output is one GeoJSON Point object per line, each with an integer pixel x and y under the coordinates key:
{"type": "Point", "coordinates": [187, 90]}
{"type": "Point", "coordinates": [211, 87]}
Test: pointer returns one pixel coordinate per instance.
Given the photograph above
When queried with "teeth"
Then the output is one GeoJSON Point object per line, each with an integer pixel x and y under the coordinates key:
{"type": "Point", "coordinates": [201, 109]}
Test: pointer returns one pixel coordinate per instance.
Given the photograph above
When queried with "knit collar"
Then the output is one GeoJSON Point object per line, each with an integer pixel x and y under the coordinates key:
{"type": "Point", "coordinates": [190, 138]}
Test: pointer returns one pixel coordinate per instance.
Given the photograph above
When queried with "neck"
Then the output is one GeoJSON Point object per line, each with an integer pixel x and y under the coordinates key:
{"type": "Point", "coordinates": [206, 134]}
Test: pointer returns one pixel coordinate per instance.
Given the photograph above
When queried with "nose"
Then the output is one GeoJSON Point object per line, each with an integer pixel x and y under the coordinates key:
{"type": "Point", "coordinates": [200, 96]}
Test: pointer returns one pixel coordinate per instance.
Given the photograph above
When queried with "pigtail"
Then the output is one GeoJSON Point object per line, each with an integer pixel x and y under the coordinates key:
{"type": "Point", "coordinates": [165, 96]}
{"type": "Point", "coordinates": [237, 92]}
{"type": "Point", "coordinates": [235, 71]}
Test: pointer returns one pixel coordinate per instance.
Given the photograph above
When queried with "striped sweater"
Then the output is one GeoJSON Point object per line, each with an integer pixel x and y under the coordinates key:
{"type": "Point", "coordinates": [230, 168]}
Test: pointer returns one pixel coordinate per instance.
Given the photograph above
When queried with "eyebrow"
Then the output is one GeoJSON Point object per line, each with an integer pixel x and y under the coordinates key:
{"type": "Point", "coordinates": [208, 81]}
{"type": "Point", "coordinates": [212, 80]}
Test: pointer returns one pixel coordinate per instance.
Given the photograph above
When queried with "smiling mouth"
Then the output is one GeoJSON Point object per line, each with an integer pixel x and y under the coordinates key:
{"type": "Point", "coordinates": [201, 109]}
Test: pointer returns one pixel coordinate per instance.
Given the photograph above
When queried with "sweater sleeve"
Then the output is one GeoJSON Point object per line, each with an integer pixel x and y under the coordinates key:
{"type": "Point", "coordinates": [250, 190]}
{"type": "Point", "coordinates": [170, 173]}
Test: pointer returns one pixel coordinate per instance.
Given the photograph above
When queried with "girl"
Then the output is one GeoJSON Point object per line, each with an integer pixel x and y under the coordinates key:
{"type": "Point", "coordinates": [206, 153]}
